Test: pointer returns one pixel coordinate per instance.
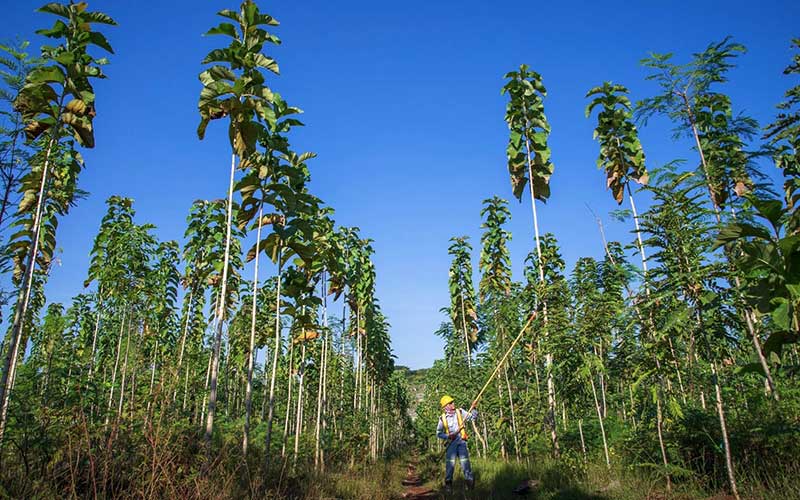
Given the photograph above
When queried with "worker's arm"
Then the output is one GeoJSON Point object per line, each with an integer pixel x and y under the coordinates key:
{"type": "Point", "coordinates": [469, 416]}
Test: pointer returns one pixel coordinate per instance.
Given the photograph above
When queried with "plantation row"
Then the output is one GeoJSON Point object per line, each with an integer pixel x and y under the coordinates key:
{"type": "Point", "coordinates": [679, 364]}
{"type": "Point", "coordinates": [107, 396]}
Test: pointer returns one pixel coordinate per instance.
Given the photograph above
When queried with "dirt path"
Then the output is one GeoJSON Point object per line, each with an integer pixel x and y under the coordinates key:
{"type": "Point", "coordinates": [413, 483]}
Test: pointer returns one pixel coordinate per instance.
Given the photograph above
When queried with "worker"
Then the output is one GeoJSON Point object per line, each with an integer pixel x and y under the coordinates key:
{"type": "Point", "coordinates": [452, 429]}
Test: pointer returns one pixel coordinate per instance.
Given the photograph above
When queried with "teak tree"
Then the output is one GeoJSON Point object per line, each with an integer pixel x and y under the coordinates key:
{"type": "Point", "coordinates": [234, 87]}
{"type": "Point", "coordinates": [529, 163]}
{"type": "Point", "coordinates": [58, 99]}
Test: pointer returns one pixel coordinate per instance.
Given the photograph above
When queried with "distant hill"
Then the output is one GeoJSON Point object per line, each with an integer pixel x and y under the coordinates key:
{"type": "Point", "coordinates": [416, 386]}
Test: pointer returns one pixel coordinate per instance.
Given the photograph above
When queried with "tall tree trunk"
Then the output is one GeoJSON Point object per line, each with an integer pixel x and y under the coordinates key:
{"type": "Point", "coordinates": [24, 294]}
{"type": "Point", "coordinates": [513, 416]}
{"type": "Point", "coordinates": [265, 397]}
{"type": "Point", "coordinates": [183, 336]}
{"type": "Point", "coordinates": [602, 380]}
{"type": "Point", "coordinates": [464, 325]}
{"type": "Point", "coordinates": [124, 376]}
{"type": "Point", "coordinates": [322, 375]}
{"type": "Point", "coordinates": [583, 443]}
{"type": "Point", "coordinates": [299, 415]}
{"type": "Point", "coordinates": [7, 191]}
{"type": "Point", "coordinates": [549, 356]}
{"type": "Point", "coordinates": [535, 365]}
{"type": "Point", "coordinates": [500, 409]}
{"type": "Point", "coordinates": [152, 378]}
{"type": "Point", "coordinates": [116, 365]}
{"type": "Point", "coordinates": [287, 422]}
{"type": "Point", "coordinates": [276, 349]}
{"type": "Point", "coordinates": [185, 388]}
{"type": "Point", "coordinates": [551, 400]}
{"type": "Point", "coordinates": [659, 427]}
{"type": "Point", "coordinates": [318, 422]}
{"type": "Point", "coordinates": [251, 354]}
{"type": "Point", "coordinates": [326, 403]}
{"type": "Point", "coordinates": [600, 419]}
{"type": "Point", "coordinates": [220, 314]}
{"type": "Point", "coordinates": [481, 439]}
{"type": "Point", "coordinates": [724, 429]}
{"type": "Point", "coordinates": [205, 387]}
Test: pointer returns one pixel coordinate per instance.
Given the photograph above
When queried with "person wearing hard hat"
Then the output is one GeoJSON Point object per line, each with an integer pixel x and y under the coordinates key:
{"type": "Point", "coordinates": [452, 429]}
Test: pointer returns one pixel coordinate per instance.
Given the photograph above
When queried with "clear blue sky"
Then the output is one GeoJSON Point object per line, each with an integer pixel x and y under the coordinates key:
{"type": "Point", "coordinates": [402, 104]}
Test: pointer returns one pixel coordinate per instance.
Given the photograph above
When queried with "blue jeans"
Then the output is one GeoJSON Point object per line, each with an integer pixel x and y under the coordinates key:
{"type": "Point", "coordinates": [458, 450]}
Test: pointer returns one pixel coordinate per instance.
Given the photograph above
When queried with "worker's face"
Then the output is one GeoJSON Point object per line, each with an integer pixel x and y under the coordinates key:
{"type": "Point", "coordinates": [450, 406]}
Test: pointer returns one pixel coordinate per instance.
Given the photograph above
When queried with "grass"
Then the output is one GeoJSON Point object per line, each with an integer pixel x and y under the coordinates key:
{"type": "Point", "coordinates": [496, 480]}
{"type": "Point", "coordinates": [380, 481]}
{"type": "Point", "coordinates": [175, 470]}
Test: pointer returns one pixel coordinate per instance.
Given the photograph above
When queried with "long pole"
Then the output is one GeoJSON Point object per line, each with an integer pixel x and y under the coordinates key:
{"type": "Point", "coordinates": [494, 373]}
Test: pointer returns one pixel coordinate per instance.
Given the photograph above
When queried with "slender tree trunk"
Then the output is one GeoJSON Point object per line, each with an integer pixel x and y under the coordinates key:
{"type": "Point", "coordinates": [251, 353]}
{"type": "Point", "coordinates": [601, 379]}
{"type": "Point", "coordinates": [549, 356]}
{"type": "Point", "coordinates": [318, 423]}
{"type": "Point", "coordinates": [659, 427]}
{"type": "Point", "coordinates": [24, 294]}
{"type": "Point", "coordinates": [7, 191]}
{"type": "Point", "coordinates": [724, 429]}
{"type": "Point", "coordinates": [600, 419]}
{"type": "Point", "coordinates": [152, 379]}
{"type": "Point", "coordinates": [583, 443]}
{"type": "Point", "coordinates": [226, 379]}
{"type": "Point", "coordinates": [548, 359]}
{"type": "Point", "coordinates": [502, 417]}
{"type": "Point", "coordinates": [322, 375]}
{"type": "Point", "coordinates": [265, 397]}
{"type": "Point", "coordinates": [276, 349]}
{"type": "Point", "coordinates": [485, 436]}
{"type": "Point", "coordinates": [116, 365]}
{"type": "Point", "coordinates": [464, 325]}
{"type": "Point", "coordinates": [481, 439]}
{"type": "Point", "coordinates": [183, 336]}
{"type": "Point", "coordinates": [287, 421]}
{"type": "Point", "coordinates": [513, 416]}
{"type": "Point", "coordinates": [551, 400]}
{"type": "Point", "coordinates": [124, 376]}
{"type": "Point", "coordinates": [185, 389]}
{"type": "Point", "coordinates": [205, 389]}
{"type": "Point", "coordinates": [536, 371]}
{"type": "Point", "coordinates": [326, 403]}
{"type": "Point", "coordinates": [220, 313]}
{"type": "Point", "coordinates": [299, 413]}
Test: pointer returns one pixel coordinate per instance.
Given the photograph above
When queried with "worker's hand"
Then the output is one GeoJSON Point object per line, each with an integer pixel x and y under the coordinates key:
{"type": "Point", "coordinates": [452, 436]}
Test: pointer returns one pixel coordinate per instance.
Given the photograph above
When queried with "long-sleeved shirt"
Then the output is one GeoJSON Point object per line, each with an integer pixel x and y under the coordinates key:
{"type": "Point", "coordinates": [452, 423]}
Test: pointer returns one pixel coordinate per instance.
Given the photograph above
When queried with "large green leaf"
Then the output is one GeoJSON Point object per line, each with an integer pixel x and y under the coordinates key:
{"type": "Point", "coordinates": [224, 29]}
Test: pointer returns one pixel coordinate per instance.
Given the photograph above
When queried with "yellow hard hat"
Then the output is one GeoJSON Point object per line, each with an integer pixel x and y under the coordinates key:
{"type": "Point", "coordinates": [445, 400]}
